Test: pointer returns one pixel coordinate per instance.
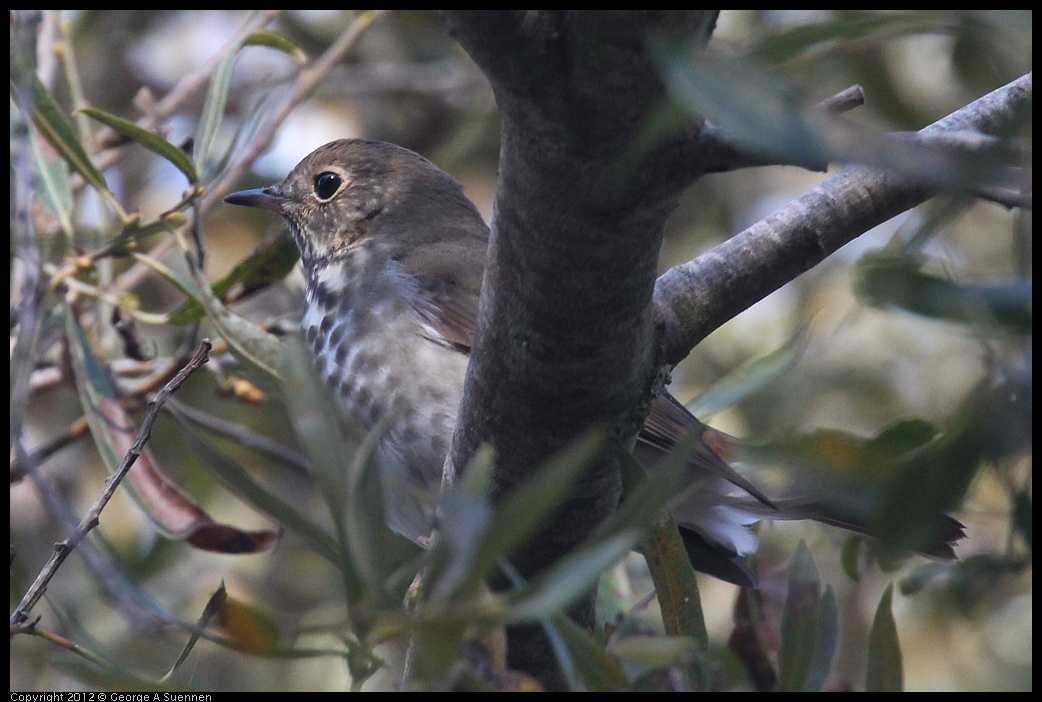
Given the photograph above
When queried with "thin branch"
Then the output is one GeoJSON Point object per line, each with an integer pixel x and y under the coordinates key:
{"type": "Point", "coordinates": [92, 518]}
{"type": "Point", "coordinates": [843, 101]}
{"type": "Point", "coordinates": [129, 599]}
{"type": "Point", "coordinates": [693, 299]}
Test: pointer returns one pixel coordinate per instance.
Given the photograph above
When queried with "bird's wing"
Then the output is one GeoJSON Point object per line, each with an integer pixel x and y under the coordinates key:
{"type": "Point", "coordinates": [448, 303]}
{"type": "Point", "coordinates": [448, 288]}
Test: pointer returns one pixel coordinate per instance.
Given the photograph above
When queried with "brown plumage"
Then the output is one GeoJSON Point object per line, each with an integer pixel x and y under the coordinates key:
{"type": "Point", "coordinates": [393, 256]}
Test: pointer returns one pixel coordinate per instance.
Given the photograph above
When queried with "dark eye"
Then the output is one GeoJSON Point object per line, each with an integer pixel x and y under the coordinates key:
{"type": "Point", "coordinates": [326, 185]}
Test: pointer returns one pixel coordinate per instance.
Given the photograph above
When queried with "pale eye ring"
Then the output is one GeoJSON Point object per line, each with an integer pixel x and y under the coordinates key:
{"type": "Point", "coordinates": [327, 184]}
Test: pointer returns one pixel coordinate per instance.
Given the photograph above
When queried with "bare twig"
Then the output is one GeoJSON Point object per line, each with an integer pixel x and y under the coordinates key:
{"type": "Point", "coordinates": [92, 517]}
{"type": "Point", "coordinates": [113, 584]}
{"type": "Point", "coordinates": [843, 101]}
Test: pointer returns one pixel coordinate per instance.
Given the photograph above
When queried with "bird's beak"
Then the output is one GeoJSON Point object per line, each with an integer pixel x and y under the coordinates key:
{"type": "Point", "coordinates": [261, 198]}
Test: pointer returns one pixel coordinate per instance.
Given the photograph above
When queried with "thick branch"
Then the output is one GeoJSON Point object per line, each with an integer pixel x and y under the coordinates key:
{"type": "Point", "coordinates": [564, 337]}
{"type": "Point", "coordinates": [695, 298]}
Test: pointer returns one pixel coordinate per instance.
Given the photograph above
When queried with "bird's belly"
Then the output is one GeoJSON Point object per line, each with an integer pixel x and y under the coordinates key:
{"type": "Point", "coordinates": [382, 368]}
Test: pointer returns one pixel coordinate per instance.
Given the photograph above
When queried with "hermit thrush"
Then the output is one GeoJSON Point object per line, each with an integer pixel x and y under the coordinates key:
{"type": "Point", "coordinates": [393, 255]}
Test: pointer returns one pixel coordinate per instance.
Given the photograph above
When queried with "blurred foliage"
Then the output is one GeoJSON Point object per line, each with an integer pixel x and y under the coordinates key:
{"type": "Point", "coordinates": [128, 126]}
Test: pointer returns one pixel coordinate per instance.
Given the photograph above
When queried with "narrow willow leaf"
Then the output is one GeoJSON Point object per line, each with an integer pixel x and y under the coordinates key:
{"type": "Point", "coordinates": [268, 263]}
{"type": "Point", "coordinates": [169, 509]}
{"type": "Point", "coordinates": [561, 585]}
{"type": "Point", "coordinates": [750, 377]}
{"type": "Point", "coordinates": [217, 96]}
{"type": "Point", "coordinates": [826, 641]}
{"type": "Point", "coordinates": [53, 186]}
{"type": "Point", "coordinates": [252, 344]}
{"type": "Point", "coordinates": [61, 134]}
{"type": "Point", "coordinates": [799, 629]}
{"type": "Point", "coordinates": [597, 670]}
{"type": "Point", "coordinates": [185, 286]}
{"type": "Point", "coordinates": [522, 512]}
{"type": "Point", "coordinates": [276, 41]}
{"type": "Point", "coordinates": [675, 584]}
{"type": "Point", "coordinates": [239, 481]}
{"type": "Point", "coordinates": [150, 140]}
{"type": "Point", "coordinates": [213, 605]}
{"type": "Point", "coordinates": [887, 281]}
{"type": "Point", "coordinates": [766, 116]}
{"type": "Point", "coordinates": [993, 422]}
{"type": "Point", "coordinates": [670, 566]}
{"type": "Point", "coordinates": [330, 444]}
{"type": "Point", "coordinates": [885, 666]}
{"type": "Point", "coordinates": [791, 42]}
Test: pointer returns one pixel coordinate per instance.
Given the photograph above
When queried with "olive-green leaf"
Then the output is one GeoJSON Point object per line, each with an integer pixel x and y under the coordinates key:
{"type": "Point", "coordinates": [150, 140]}
{"type": "Point", "coordinates": [60, 133]}
{"type": "Point", "coordinates": [597, 670]}
{"type": "Point", "coordinates": [270, 262]}
{"type": "Point", "coordinates": [53, 186]}
{"type": "Point", "coordinates": [276, 41]}
{"type": "Point", "coordinates": [885, 667]}
{"type": "Point", "coordinates": [237, 479]}
{"type": "Point", "coordinates": [562, 584]}
{"type": "Point", "coordinates": [888, 281]}
{"type": "Point", "coordinates": [217, 96]}
{"type": "Point", "coordinates": [750, 377]}
{"type": "Point", "coordinates": [809, 628]}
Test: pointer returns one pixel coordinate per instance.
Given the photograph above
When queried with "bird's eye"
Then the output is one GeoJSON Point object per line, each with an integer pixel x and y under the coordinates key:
{"type": "Point", "coordinates": [327, 184]}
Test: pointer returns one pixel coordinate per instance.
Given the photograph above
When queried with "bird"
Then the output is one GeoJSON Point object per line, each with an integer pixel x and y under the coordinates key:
{"type": "Point", "coordinates": [393, 254]}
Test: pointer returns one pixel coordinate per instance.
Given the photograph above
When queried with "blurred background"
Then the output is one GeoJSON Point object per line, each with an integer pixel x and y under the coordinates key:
{"type": "Point", "coordinates": [847, 366]}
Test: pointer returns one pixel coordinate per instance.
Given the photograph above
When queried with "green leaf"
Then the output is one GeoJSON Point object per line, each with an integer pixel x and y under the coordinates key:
{"type": "Point", "coordinates": [276, 41]}
{"type": "Point", "coordinates": [597, 670]}
{"type": "Point", "coordinates": [259, 349]}
{"type": "Point", "coordinates": [766, 116]}
{"type": "Point", "coordinates": [675, 583]}
{"type": "Point", "coordinates": [515, 519]}
{"type": "Point", "coordinates": [61, 134]}
{"type": "Point", "coordinates": [794, 42]}
{"type": "Point", "coordinates": [171, 511]}
{"type": "Point", "coordinates": [217, 95]}
{"type": "Point", "coordinates": [561, 585]}
{"type": "Point", "coordinates": [343, 459]}
{"type": "Point", "coordinates": [886, 281]}
{"type": "Point", "coordinates": [991, 424]}
{"type": "Point", "coordinates": [656, 651]}
{"type": "Point", "coordinates": [134, 231]}
{"type": "Point", "coordinates": [809, 628]}
{"type": "Point", "coordinates": [53, 186]}
{"type": "Point", "coordinates": [213, 605]}
{"type": "Point", "coordinates": [150, 140]}
{"type": "Point", "coordinates": [826, 641]}
{"type": "Point", "coordinates": [237, 479]}
{"type": "Point", "coordinates": [885, 667]}
{"type": "Point", "coordinates": [750, 377]}
{"type": "Point", "coordinates": [670, 567]}
{"type": "Point", "coordinates": [268, 263]}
